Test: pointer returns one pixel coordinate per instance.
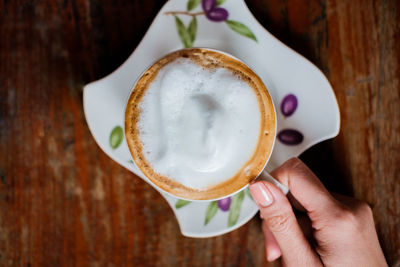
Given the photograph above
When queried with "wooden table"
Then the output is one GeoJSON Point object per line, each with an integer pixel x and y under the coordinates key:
{"type": "Point", "coordinates": [63, 202]}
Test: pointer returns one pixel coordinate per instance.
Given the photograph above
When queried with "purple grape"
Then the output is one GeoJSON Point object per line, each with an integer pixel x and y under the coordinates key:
{"type": "Point", "coordinates": [208, 5]}
{"type": "Point", "coordinates": [224, 203]}
{"type": "Point", "coordinates": [290, 137]}
{"type": "Point", "coordinates": [217, 14]}
{"type": "Point", "coordinates": [289, 105]}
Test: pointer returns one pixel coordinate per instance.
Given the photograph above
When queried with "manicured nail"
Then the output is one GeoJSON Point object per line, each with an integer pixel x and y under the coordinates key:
{"type": "Point", "coordinates": [273, 255]}
{"type": "Point", "coordinates": [261, 194]}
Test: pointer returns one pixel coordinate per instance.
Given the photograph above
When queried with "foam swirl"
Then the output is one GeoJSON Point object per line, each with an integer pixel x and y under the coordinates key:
{"type": "Point", "coordinates": [198, 126]}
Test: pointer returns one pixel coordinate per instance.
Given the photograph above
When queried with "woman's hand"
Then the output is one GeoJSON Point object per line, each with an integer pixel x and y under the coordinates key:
{"type": "Point", "coordinates": [324, 230]}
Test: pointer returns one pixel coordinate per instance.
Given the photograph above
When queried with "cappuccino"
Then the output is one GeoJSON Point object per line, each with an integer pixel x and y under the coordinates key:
{"type": "Point", "coordinates": [200, 124]}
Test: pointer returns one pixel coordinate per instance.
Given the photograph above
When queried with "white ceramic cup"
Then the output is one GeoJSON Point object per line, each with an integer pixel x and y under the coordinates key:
{"type": "Point", "coordinates": [263, 174]}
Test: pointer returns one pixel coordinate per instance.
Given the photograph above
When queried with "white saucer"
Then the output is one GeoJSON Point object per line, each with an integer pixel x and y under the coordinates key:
{"type": "Point", "coordinates": [283, 71]}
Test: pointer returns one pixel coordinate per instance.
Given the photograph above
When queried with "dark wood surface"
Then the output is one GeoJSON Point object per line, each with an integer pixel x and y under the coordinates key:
{"type": "Point", "coordinates": [63, 202]}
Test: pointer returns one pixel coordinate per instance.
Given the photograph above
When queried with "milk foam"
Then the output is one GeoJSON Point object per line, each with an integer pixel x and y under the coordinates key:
{"type": "Point", "coordinates": [198, 126]}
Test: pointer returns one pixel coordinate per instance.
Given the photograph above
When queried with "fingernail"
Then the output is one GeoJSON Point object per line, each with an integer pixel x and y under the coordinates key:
{"type": "Point", "coordinates": [261, 194]}
{"type": "Point", "coordinates": [273, 255]}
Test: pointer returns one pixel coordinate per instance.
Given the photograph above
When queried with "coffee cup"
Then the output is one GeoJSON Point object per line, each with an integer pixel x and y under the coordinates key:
{"type": "Point", "coordinates": [200, 124]}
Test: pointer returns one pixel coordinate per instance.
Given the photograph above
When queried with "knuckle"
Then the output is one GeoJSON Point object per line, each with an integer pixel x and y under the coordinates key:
{"type": "Point", "coordinates": [352, 221]}
{"type": "Point", "coordinates": [278, 223]}
{"type": "Point", "coordinates": [363, 214]}
{"type": "Point", "coordinates": [364, 210]}
{"type": "Point", "coordinates": [358, 212]}
{"type": "Point", "coordinates": [348, 217]}
{"type": "Point", "coordinates": [293, 162]}
{"type": "Point", "coordinates": [282, 172]}
{"type": "Point", "coordinates": [345, 218]}
{"type": "Point", "coordinates": [297, 167]}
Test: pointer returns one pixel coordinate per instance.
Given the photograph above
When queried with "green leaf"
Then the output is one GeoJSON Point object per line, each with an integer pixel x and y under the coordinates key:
{"type": "Point", "coordinates": [234, 211]}
{"type": "Point", "coordinates": [249, 193]}
{"type": "Point", "coordinates": [181, 203]}
{"type": "Point", "coordinates": [241, 29]}
{"type": "Point", "coordinates": [192, 29]}
{"type": "Point", "coordinates": [192, 4]}
{"type": "Point", "coordinates": [220, 2]}
{"type": "Point", "coordinates": [183, 33]}
{"type": "Point", "coordinates": [211, 211]}
{"type": "Point", "coordinates": [116, 137]}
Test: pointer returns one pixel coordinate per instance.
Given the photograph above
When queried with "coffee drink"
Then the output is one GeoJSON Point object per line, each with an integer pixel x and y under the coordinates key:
{"type": "Point", "coordinates": [200, 124]}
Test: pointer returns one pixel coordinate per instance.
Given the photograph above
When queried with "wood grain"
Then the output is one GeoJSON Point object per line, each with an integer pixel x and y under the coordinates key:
{"type": "Point", "coordinates": [63, 202]}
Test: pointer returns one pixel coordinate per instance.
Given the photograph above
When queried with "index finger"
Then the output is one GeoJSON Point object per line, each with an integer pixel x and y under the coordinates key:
{"type": "Point", "coordinates": [306, 188]}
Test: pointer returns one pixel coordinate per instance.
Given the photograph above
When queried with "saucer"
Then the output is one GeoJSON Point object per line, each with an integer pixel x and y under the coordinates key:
{"type": "Point", "coordinates": [306, 107]}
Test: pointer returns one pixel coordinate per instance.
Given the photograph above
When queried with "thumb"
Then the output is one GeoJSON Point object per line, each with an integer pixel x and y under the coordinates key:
{"type": "Point", "coordinates": [279, 218]}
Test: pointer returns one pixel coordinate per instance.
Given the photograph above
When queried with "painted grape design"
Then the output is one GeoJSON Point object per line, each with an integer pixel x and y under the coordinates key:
{"type": "Point", "coordinates": [232, 204]}
{"type": "Point", "coordinates": [290, 137]}
{"type": "Point", "coordinates": [289, 105]}
{"type": "Point", "coordinates": [214, 12]}
{"type": "Point", "coordinates": [225, 203]}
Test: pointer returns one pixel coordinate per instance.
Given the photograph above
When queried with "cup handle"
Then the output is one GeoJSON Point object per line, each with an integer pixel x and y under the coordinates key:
{"type": "Point", "coordinates": [266, 176]}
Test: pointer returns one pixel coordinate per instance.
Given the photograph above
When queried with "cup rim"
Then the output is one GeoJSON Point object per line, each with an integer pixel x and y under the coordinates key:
{"type": "Point", "coordinates": [275, 128]}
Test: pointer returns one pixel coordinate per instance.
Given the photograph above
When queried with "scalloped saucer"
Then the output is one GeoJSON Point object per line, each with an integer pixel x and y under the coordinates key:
{"type": "Point", "coordinates": [283, 71]}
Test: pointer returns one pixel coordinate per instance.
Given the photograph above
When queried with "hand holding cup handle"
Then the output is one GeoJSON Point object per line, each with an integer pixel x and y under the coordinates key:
{"type": "Point", "coordinates": [325, 230]}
